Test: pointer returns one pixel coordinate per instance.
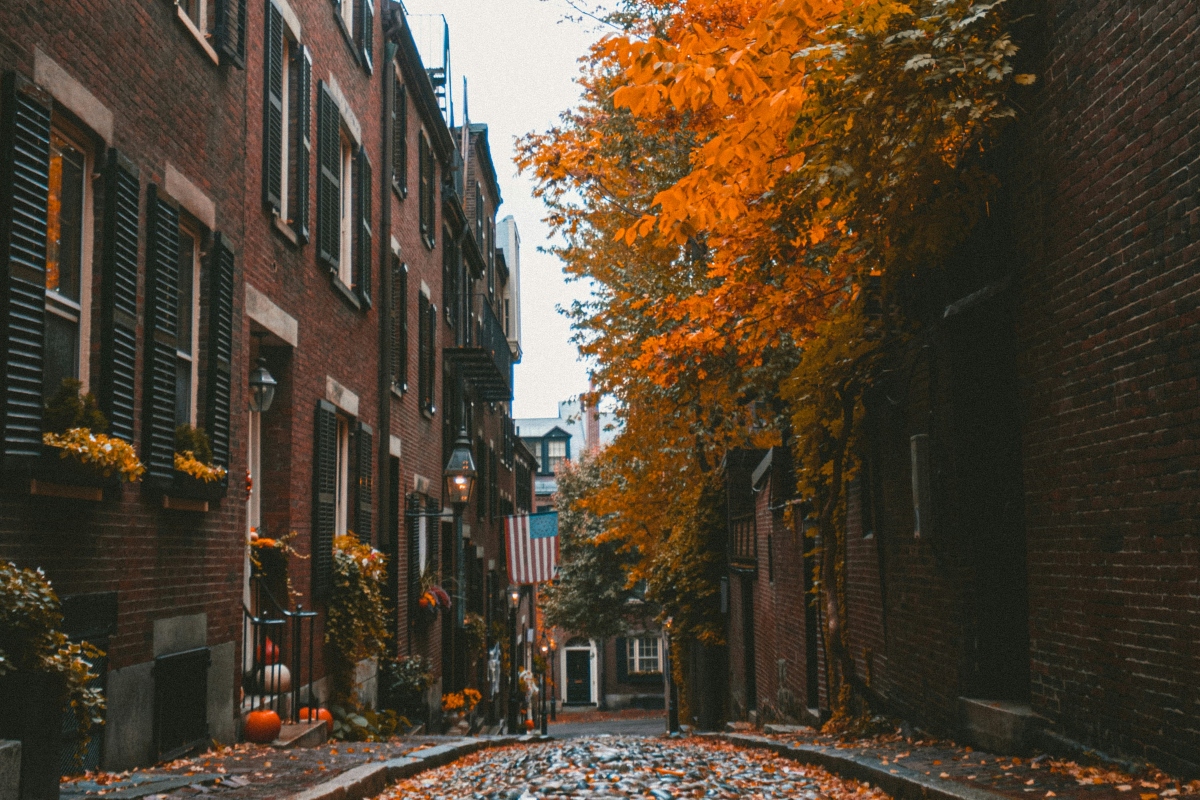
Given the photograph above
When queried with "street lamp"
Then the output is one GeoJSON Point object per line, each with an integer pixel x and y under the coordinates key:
{"type": "Point", "coordinates": [514, 703]}
{"type": "Point", "coordinates": [553, 682]}
{"type": "Point", "coordinates": [460, 480]}
{"type": "Point", "coordinates": [545, 668]}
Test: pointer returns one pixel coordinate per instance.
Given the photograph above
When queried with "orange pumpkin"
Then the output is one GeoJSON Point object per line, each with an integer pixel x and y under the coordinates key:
{"type": "Point", "coordinates": [262, 726]}
{"type": "Point", "coordinates": [267, 653]}
{"type": "Point", "coordinates": [315, 714]}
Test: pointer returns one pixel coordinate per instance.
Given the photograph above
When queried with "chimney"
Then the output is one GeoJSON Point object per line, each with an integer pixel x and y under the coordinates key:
{"type": "Point", "coordinates": [591, 417]}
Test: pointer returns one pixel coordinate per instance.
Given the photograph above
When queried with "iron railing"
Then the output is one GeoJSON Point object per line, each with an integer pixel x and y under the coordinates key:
{"type": "Point", "coordinates": [278, 645]}
{"type": "Point", "coordinates": [482, 352]}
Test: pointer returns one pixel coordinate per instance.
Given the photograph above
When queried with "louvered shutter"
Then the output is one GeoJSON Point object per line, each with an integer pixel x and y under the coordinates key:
{"type": "Point", "coordinates": [230, 31]}
{"type": "Point", "coordinates": [220, 349]}
{"type": "Point", "coordinates": [364, 468]}
{"type": "Point", "coordinates": [24, 198]}
{"type": "Point", "coordinates": [367, 40]}
{"type": "Point", "coordinates": [324, 498]}
{"type": "Point", "coordinates": [412, 520]}
{"type": "Point", "coordinates": [363, 249]}
{"type": "Point", "coordinates": [622, 659]}
{"type": "Point", "coordinates": [433, 530]}
{"type": "Point", "coordinates": [423, 187]}
{"type": "Point", "coordinates": [304, 156]}
{"type": "Point", "coordinates": [399, 136]}
{"type": "Point", "coordinates": [118, 338]}
{"type": "Point", "coordinates": [431, 357]}
{"type": "Point", "coordinates": [162, 289]}
{"type": "Point", "coordinates": [400, 324]}
{"type": "Point", "coordinates": [273, 108]}
{"type": "Point", "coordinates": [329, 147]}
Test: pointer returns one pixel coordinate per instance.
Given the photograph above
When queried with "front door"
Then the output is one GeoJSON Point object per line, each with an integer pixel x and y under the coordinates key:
{"type": "Point", "coordinates": [579, 676]}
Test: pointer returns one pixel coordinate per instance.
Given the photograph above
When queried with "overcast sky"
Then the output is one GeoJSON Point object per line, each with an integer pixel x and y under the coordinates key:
{"type": "Point", "coordinates": [520, 62]}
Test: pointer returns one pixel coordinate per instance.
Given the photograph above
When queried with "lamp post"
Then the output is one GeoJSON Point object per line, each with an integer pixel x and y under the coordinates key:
{"type": "Point", "coordinates": [668, 682]}
{"type": "Point", "coordinates": [545, 669]}
{"type": "Point", "coordinates": [514, 702]}
{"type": "Point", "coordinates": [459, 481]}
{"type": "Point", "coordinates": [553, 683]}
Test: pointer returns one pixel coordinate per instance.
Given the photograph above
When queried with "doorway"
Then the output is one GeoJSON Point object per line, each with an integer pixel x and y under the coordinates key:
{"type": "Point", "coordinates": [989, 500]}
{"type": "Point", "coordinates": [577, 677]}
{"type": "Point", "coordinates": [748, 661]}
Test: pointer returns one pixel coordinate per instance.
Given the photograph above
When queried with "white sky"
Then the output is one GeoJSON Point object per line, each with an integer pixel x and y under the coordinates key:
{"type": "Point", "coordinates": [520, 64]}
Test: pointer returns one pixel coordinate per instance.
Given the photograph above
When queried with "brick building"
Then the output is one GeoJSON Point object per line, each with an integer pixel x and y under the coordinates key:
{"type": "Point", "coordinates": [194, 192]}
{"type": "Point", "coordinates": [122, 231]}
{"type": "Point", "coordinates": [1048, 583]}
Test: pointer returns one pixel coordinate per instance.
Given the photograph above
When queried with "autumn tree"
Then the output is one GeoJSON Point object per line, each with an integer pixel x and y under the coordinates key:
{"type": "Point", "coordinates": [739, 179]}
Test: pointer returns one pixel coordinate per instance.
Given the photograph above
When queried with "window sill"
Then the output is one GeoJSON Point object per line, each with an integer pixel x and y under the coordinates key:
{"type": "Point", "coordinates": [200, 38]}
{"type": "Point", "coordinates": [347, 293]}
{"type": "Point", "coordinates": [285, 230]}
{"type": "Point", "coordinates": [400, 191]}
{"type": "Point", "coordinates": [398, 391]}
{"type": "Point", "coordinates": [429, 242]}
{"type": "Point", "coordinates": [429, 413]}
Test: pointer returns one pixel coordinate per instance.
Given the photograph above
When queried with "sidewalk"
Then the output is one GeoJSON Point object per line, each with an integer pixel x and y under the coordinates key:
{"type": "Point", "coordinates": [248, 771]}
{"type": "Point", "coordinates": [932, 766]}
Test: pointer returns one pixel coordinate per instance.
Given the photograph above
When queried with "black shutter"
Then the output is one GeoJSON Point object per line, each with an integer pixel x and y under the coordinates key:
{"type": "Point", "coordinates": [431, 356]}
{"type": "Point", "coordinates": [433, 531]}
{"type": "Point", "coordinates": [622, 660]}
{"type": "Point", "coordinates": [399, 136]}
{"type": "Point", "coordinates": [329, 201]}
{"type": "Point", "coordinates": [368, 32]}
{"type": "Point", "coordinates": [324, 498]}
{"type": "Point", "coordinates": [24, 200]}
{"type": "Point", "coordinates": [423, 187]}
{"type": "Point", "coordinates": [364, 511]}
{"type": "Point", "coordinates": [304, 156]}
{"type": "Point", "coordinates": [363, 234]}
{"type": "Point", "coordinates": [119, 292]}
{"type": "Point", "coordinates": [400, 324]}
{"type": "Point", "coordinates": [273, 108]}
{"type": "Point", "coordinates": [231, 31]}
{"type": "Point", "coordinates": [412, 519]}
{"type": "Point", "coordinates": [220, 349]}
{"type": "Point", "coordinates": [481, 479]}
{"type": "Point", "coordinates": [162, 289]}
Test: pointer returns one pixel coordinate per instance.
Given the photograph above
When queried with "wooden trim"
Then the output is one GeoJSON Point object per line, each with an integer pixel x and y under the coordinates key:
{"type": "Point", "coordinates": [184, 504]}
{"type": "Point", "coordinates": [92, 494]}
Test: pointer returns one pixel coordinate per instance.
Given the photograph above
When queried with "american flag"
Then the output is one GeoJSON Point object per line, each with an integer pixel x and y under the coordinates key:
{"type": "Point", "coordinates": [532, 547]}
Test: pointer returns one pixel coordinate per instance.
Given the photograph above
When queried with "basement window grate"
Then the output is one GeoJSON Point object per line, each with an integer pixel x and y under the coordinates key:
{"type": "Point", "coordinates": [181, 702]}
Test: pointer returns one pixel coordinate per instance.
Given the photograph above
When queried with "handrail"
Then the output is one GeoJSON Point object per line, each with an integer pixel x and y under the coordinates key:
{"type": "Point", "coordinates": [282, 631]}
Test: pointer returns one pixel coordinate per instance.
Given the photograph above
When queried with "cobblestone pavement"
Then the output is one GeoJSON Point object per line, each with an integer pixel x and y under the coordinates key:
{"type": "Point", "coordinates": [615, 767]}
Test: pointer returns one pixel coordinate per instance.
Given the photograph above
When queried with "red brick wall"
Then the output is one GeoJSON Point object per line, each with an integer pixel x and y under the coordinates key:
{"type": "Point", "coordinates": [170, 104]}
{"type": "Point", "coordinates": [1110, 358]}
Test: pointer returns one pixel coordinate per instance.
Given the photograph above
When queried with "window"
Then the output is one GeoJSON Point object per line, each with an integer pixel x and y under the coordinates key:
{"type": "Point", "coordinates": [427, 175]}
{"type": "Point", "coordinates": [68, 263]}
{"type": "Point", "coordinates": [287, 140]}
{"type": "Point", "coordinates": [399, 325]}
{"type": "Point", "coordinates": [399, 135]}
{"type": "Point", "coordinates": [188, 330]}
{"type": "Point", "coordinates": [343, 201]}
{"type": "Point", "coordinates": [198, 13]}
{"type": "Point", "coordinates": [489, 253]}
{"type": "Point", "coordinates": [556, 454]}
{"type": "Point", "coordinates": [450, 258]}
{"type": "Point", "coordinates": [479, 230]}
{"type": "Point", "coordinates": [642, 655]}
{"type": "Point", "coordinates": [341, 497]}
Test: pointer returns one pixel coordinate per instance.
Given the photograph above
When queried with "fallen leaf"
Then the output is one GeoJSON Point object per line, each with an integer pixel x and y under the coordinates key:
{"type": "Point", "coordinates": [1124, 787]}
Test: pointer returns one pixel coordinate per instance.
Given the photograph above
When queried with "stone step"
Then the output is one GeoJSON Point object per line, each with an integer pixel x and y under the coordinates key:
{"type": "Point", "coordinates": [302, 734]}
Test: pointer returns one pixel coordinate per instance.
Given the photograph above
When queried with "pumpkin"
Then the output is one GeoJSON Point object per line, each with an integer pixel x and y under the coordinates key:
{"type": "Point", "coordinates": [315, 715]}
{"type": "Point", "coordinates": [262, 726]}
{"type": "Point", "coordinates": [528, 724]}
{"type": "Point", "coordinates": [275, 679]}
{"type": "Point", "coordinates": [267, 653]}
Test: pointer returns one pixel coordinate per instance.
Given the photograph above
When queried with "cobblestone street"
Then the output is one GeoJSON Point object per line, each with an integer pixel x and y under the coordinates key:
{"type": "Point", "coordinates": [611, 767]}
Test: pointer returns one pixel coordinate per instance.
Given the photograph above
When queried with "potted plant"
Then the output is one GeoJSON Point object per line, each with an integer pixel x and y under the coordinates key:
{"type": "Point", "coordinates": [41, 674]}
{"type": "Point", "coordinates": [76, 449]}
{"type": "Point", "coordinates": [196, 478]}
{"type": "Point", "coordinates": [403, 683]}
{"type": "Point", "coordinates": [269, 558]}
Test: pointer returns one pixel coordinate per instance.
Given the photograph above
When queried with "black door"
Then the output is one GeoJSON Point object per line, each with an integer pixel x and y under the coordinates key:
{"type": "Point", "coordinates": [989, 507]}
{"type": "Point", "coordinates": [579, 676]}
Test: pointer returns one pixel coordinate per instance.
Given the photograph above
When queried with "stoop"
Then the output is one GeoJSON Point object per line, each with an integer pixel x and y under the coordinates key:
{"type": "Point", "coordinates": [999, 726]}
{"type": "Point", "coordinates": [303, 734]}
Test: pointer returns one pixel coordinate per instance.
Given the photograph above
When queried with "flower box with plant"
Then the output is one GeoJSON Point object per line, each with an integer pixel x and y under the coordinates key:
{"type": "Point", "coordinates": [76, 449]}
{"type": "Point", "coordinates": [196, 478]}
{"type": "Point", "coordinates": [42, 673]}
{"type": "Point", "coordinates": [461, 703]}
{"type": "Point", "coordinates": [403, 683]}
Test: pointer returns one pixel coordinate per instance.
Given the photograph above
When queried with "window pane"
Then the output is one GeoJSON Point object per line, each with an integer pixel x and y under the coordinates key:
{"type": "Point", "coordinates": [61, 358]}
{"type": "Point", "coordinates": [556, 448]}
{"type": "Point", "coordinates": [187, 262]}
{"type": "Point", "coordinates": [183, 391]}
{"type": "Point", "coordinates": [64, 232]}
